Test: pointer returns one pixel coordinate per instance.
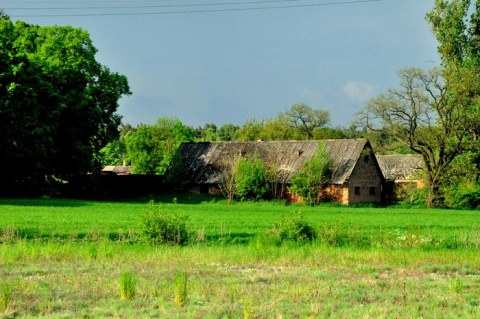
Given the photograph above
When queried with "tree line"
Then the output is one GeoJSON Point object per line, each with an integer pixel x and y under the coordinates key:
{"type": "Point", "coordinates": [150, 148]}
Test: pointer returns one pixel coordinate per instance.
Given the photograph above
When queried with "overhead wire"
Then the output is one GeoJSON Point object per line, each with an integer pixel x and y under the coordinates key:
{"type": "Point", "coordinates": [158, 6]}
{"type": "Point", "coordinates": [206, 10]}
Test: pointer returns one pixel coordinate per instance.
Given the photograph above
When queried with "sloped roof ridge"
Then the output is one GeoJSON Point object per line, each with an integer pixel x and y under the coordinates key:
{"type": "Point", "coordinates": [280, 141]}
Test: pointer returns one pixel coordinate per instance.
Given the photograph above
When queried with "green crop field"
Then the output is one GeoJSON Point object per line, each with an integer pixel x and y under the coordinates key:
{"type": "Point", "coordinates": [79, 259]}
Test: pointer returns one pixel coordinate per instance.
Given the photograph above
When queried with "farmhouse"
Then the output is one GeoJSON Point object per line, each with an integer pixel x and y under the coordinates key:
{"type": "Point", "coordinates": [356, 176]}
{"type": "Point", "coordinates": [401, 173]}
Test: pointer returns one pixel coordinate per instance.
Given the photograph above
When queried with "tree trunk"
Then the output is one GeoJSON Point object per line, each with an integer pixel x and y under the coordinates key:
{"type": "Point", "coordinates": [433, 193]}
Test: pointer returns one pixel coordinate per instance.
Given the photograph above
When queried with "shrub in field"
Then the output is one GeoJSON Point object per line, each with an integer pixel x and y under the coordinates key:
{"type": "Point", "coordinates": [164, 228]}
{"type": "Point", "coordinates": [295, 228]}
{"type": "Point", "coordinates": [251, 178]}
{"type": "Point", "coordinates": [127, 286]}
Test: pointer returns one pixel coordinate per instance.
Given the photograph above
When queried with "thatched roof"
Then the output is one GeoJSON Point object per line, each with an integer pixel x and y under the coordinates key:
{"type": "Point", "coordinates": [399, 167]}
{"type": "Point", "coordinates": [204, 163]}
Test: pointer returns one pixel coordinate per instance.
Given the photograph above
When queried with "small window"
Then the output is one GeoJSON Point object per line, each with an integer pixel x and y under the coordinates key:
{"type": "Point", "coordinates": [373, 190]}
{"type": "Point", "coordinates": [357, 190]}
{"type": "Point", "coordinates": [366, 158]}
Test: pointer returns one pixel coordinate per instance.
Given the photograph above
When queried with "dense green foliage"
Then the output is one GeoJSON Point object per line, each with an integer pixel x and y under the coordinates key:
{"type": "Point", "coordinates": [465, 195]}
{"type": "Point", "coordinates": [150, 148]}
{"type": "Point", "coordinates": [251, 178]}
{"type": "Point", "coordinates": [210, 133]}
{"type": "Point", "coordinates": [58, 105]}
{"type": "Point", "coordinates": [311, 179]}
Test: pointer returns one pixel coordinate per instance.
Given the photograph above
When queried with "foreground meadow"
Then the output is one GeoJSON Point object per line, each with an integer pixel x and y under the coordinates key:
{"type": "Point", "coordinates": [71, 259]}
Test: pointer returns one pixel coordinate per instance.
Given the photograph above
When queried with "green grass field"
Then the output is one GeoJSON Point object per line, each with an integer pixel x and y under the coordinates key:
{"type": "Point", "coordinates": [66, 259]}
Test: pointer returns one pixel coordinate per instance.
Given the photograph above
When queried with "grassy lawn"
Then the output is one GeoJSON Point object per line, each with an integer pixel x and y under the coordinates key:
{"type": "Point", "coordinates": [65, 259]}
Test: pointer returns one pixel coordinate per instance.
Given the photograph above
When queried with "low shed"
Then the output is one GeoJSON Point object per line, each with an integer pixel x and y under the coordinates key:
{"type": "Point", "coordinates": [402, 174]}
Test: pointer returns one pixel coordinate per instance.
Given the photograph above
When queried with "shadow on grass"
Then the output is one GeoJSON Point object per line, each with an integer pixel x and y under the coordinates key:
{"type": "Point", "coordinates": [231, 238]}
{"type": "Point", "coordinates": [178, 198]}
{"type": "Point", "coordinates": [44, 202]}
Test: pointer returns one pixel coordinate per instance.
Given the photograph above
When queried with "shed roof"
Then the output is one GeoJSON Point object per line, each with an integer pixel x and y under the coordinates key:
{"type": "Point", "coordinates": [117, 169]}
{"type": "Point", "coordinates": [399, 167]}
{"type": "Point", "coordinates": [204, 163]}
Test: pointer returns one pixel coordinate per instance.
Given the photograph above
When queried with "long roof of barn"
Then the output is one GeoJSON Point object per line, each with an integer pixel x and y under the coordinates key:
{"type": "Point", "coordinates": [204, 163]}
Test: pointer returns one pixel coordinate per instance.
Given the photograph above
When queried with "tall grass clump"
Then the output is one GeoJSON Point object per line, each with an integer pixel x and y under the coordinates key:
{"type": "Point", "coordinates": [127, 284]}
{"type": "Point", "coordinates": [6, 293]}
{"type": "Point", "coordinates": [294, 228]}
{"type": "Point", "coordinates": [180, 289]}
{"type": "Point", "coordinates": [158, 227]}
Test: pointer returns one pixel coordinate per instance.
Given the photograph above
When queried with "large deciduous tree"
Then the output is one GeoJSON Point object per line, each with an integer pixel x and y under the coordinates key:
{"type": "Point", "coordinates": [58, 104]}
{"type": "Point", "coordinates": [305, 119]}
{"type": "Point", "coordinates": [425, 116]}
{"type": "Point", "coordinates": [299, 122]}
{"type": "Point", "coordinates": [151, 148]}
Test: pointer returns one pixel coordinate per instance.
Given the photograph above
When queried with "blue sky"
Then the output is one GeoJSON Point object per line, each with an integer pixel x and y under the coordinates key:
{"type": "Point", "coordinates": [230, 66]}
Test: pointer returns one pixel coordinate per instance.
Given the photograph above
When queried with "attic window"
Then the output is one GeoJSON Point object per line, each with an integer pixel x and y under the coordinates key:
{"type": "Point", "coordinates": [299, 152]}
{"type": "Point", "coordinates": [365, 158]}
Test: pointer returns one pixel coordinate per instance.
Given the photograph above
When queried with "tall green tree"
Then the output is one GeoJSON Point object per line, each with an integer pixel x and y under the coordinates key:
{"type": "Point", "coordinates": [456, 25]}
{"type": "Point", "coordinates": [58, 104]}
{"type": "Point", "coordinates": [151, 148]}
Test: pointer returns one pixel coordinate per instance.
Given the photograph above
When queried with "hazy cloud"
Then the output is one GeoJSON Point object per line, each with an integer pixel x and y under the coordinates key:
{"type": "Point", "coordinates": [359, 91]}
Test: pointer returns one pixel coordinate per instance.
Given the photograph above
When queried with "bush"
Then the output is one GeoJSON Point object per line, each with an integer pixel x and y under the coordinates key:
{"type": "Point", "coordinates": [417, 196]}
{"type": "Point", "coordinates": [294, 228]}
{"type": "Point", "coordinates": [161, 228]}
{"type": "Point", "coordinates": [310, 180]}
{"type": "Point", "coordinates": [464, 195]}
{"type": "Point", "coordinates": [251, 180]}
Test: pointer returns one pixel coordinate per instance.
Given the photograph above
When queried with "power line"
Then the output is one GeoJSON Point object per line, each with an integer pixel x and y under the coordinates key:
{"type": "Point", "coordinates": [196, 11]}
{"type": "Point", "coordinates": [158, 6]}
{"type": "Point", "coordinates": [86, 1]}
